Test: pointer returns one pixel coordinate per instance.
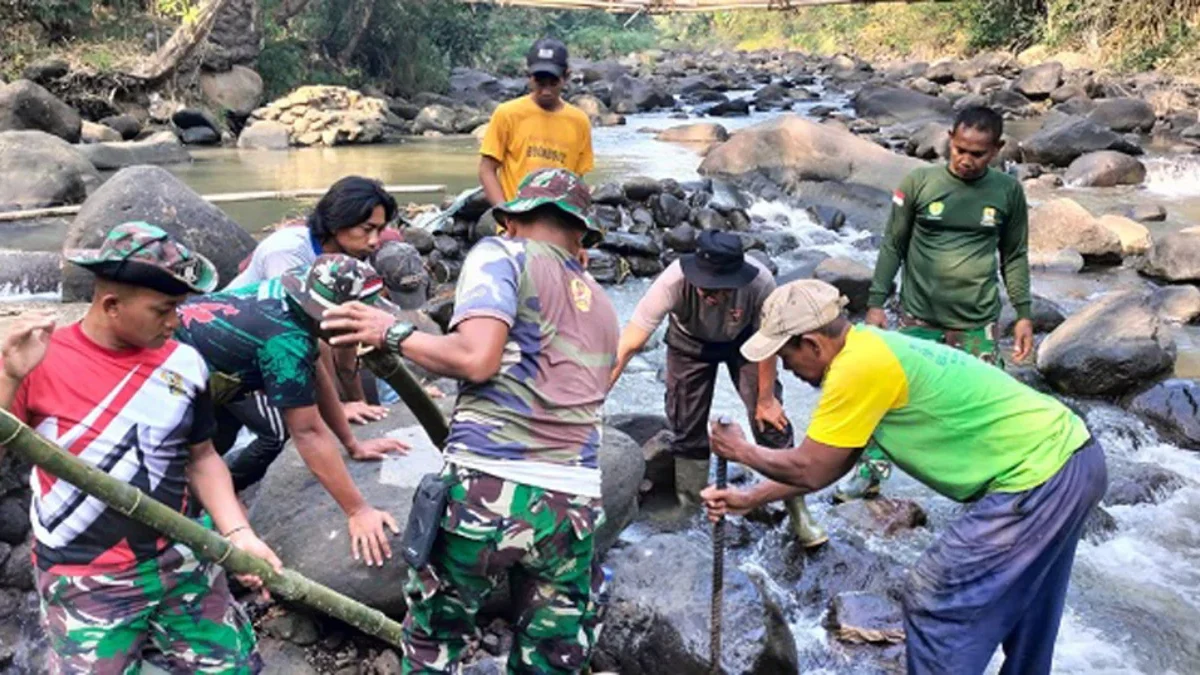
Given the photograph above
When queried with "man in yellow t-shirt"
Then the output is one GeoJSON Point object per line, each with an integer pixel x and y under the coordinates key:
{"type": "Point", "coordinates": [537, 131]}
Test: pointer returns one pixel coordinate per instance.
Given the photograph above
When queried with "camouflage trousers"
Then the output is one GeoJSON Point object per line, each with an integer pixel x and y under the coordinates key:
{"type": "Point", "coordinates": [542, 542]}
{"type": "Point", "coordinates": [978, 342]}
{"type": "Point", "coordinates": [100, 623]}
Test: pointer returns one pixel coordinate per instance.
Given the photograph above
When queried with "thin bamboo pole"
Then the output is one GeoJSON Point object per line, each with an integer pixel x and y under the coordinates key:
{"type": "Point", "coordinates": [223, 198]}
{"type": "Point", "coordinates": [290, 585]}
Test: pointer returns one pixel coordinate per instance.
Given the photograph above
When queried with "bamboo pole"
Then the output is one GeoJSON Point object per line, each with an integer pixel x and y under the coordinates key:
{"type": "Point", "coordinates": [392, 369]}
{"type": "Point", "coordinates": [222, 198]}
{"type": "Point", "coordinates": [290, 585]}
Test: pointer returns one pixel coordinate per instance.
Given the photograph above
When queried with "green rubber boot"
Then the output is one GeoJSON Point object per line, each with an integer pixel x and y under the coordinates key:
{"type": "Point", "coordinates": [806, 529]}
{"type": "Point", "coordinates": [691, 476]}
{"type": "Point", "coordinates": [864, 481]}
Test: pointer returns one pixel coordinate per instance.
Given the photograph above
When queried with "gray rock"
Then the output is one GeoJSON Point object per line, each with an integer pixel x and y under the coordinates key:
{"type": "Point", "coordinates": [1123, 115]}
{"type": "Point", "coordinates": [641, 188]}
{"type": "Point", "coordinates": [98, 133]}
{"type": "Point", "coordinates": [1171, 407]}
{"type": "Point", "coordinates": [1105, 168]}
{"type": "Point", "coordinates": [608, 193]}
{"type": "Point", "coordinates": [657, 619]}
{"type": "Point", "coordinates": [631, 95]}
{"type": "Point", "coordinates": [851, 278]}
{"type": "Point", "coordinates": [1062, 142]}
{"type": "Point", "coordinates": [642, 220]}
{"type": "Point", "coordinates": [448, 246]}
{"type": "Point", "coordinates": [152, 194]}
{"type": "Point", "coordinates": [39, 170]}
{"type": "Point", "coordinates": [607, 267]}
{"type": "Point", "coordinates": [200, 136]}
{"type": "Point", "coordinates": [1010, 102]}
{"type": "Point", "coordinates": [643, 267]}
{"type": "Point", "coordinates": [1148, 213]}
{"type": "Point", "coordinates": [1177, 304]}
{"type": "Point", "coordinates": [17, 571]}
{"type": "Point", "coordinates": [738, 107]}
{"type": "Point", "coordinates": [238, 90]}
{"type": "Point", "coordinates": [828, 217]}
{"type": "Point", "coordinates": [681, 238]}
{"type": "Point", "coordinates": [894, 105]}
{"type": "Point", "coordinates": [1175, 257]}
{"type": "Point", "coordinates": [699, 133]}
{"type": "Point", "coordinates": [1037, 82]}
{"type": "Point", "coordinates": [281, 657]}
{"type": "Point", "coordinates": [26, 106]}
{"type": "Point", "coordinates": [941, 72]}
{"type": "Point", "coordinates": [30, 271]}
{"type": "Point", "coordinates": [295, 627]}
{"type": "Point", "coordinates": [925, 86]}
{"type": "Point", "coordinates": [764, 258]}
{"type": "Point", "coordinates": [1112, 345]}
{"type": "Point", "coordinates": [884, 516]}
{"type": "Point", "coordinates": [420, 239]}
{"type": "Point", "coordinates": [45, 70]}
{"type": "Point", "coordinates": [709, 219]}
{"type": "Point", "coordinates": [1141, 482]}
{"type": "Point", "coordinates": [193, 118]}
{"type": "Point", "coordinates": [1065, 261]}
{"type": "Point", "coordinates": [1064, 224]}
{"type": "Point", "coordinates": [1046, 316]}
{"type": "Point", "coordinates": [631, 244]}
{"type": "Point", "coordinates": [161, 148]}
{"type": "Point", "coordinates": [1099, 526]}
{"type": "Point", "coordinates": [641, 427]}
{"type": "Point", "coordinates": [858, 618]}
{"type": "Point", "coordinates": [1066, 92]}
{"type": "Point", "coordinates": [14, 518]}
{"type": "Point", "coordinates": [265, 135]}
{"type": "Point", "coordinates": [668, 210]}
{"type": "Point", "coordinates": [931, 141]}
{"type": "Point", "coordinates": [435, 117]}
{"type": "Point", "coordinates": [127, 125]}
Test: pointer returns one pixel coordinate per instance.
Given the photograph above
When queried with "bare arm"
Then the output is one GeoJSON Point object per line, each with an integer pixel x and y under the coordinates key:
{"type": "Point", "coordinates": [810, 467]}
{"type": "Point", "coordinates": [767, 373]}
{"type": "Point", "coordinates": [488, 166]}
{"type": "Point", "coordinates": [471, 352]}
{"type": "Point", "coordinates": [331, 410]}
{"type": "Point", "coordinates": [633, 338]}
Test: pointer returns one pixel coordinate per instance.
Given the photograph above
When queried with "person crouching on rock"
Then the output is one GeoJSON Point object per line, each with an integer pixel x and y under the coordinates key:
{"type": "Point", "coordinates": [533, 340]}
{"type": "Point", "coordinates": [1027, 466]}
{"type": "Point", "coordinates": [118, 393]}
{"type": "Point", "coordinates": [263, 338]}
{"type": "Point", "coordinates": [714, 299]}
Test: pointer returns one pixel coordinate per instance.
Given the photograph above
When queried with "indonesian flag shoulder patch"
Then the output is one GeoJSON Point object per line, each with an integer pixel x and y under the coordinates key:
{"type": "Point", "coordinates": [898, 198]}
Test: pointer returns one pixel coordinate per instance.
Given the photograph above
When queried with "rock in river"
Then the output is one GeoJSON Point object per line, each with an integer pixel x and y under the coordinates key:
{"type": "Point", "coordinates": [161, 148]}
{"type": "Point", "coordinates": [1105, 168]}
{"type": "Point", "coordinates": [1037, 82]}
{"type": "Point", "coordinates": [895, 105]}
{"type": "Point", "coordinates": [851, 278]}
{"type": "Point", "coordinates": [1061, 141]}
{"type": "Point", "coordinates": [1064, 224]}
{"type": "Point", "coordinates": [1175, 257]}
{"type": "Point", "coordinates": [27, 106]}
{"type": "Point", "coordinates": [1111, 346]}
{"type": "Point", "coordinates": [1124, 115]}
{"type": "Point", "coordinates": [1171, 406]}
{"type": "Point", "coordinates": [38, 169]}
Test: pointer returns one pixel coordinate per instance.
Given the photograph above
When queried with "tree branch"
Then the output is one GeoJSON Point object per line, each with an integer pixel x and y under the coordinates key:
{"type": "Point", "coordinates": [182, 44]}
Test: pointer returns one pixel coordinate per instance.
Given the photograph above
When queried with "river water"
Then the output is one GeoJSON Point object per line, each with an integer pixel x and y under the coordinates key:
{"type": "Point", "coordinates": [1134, 603]}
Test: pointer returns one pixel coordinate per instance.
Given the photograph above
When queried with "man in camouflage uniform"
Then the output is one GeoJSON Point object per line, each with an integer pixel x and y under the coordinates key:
{"type": "Point", "coordinates": [533, 340]}
{"type": "Point", "coordinates": [115, 391]}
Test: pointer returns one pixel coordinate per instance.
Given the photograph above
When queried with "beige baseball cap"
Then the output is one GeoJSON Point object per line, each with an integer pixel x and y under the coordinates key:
{"type": "Point", "coordinates": [793, 309]}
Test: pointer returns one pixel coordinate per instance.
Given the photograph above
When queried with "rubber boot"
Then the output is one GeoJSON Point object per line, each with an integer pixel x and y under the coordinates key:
{"type": "Point", "coordinates": [691, 476]}
{"type": "Point", "coordinates": [806, 529]}
{"type": "Point", "coordinates": [864, 481]}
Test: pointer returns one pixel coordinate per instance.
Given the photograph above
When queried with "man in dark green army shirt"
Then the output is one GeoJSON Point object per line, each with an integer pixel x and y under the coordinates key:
{"type": "Point", "coordinates": [947, 225]}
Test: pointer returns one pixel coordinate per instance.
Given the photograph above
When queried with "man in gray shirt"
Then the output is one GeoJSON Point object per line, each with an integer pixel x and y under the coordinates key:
{"type": "Point", "coordinates": [714, 299]}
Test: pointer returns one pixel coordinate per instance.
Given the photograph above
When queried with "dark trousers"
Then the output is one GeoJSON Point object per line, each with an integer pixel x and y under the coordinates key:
{"type": "Point", "coordinates": [999, 574]}
{"type": "Point", "coordinates": [690, 384]}
{"type": "Point", "coordinates": [249, 464]}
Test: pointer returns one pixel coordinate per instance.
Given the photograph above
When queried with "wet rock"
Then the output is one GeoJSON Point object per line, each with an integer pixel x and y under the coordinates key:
{"type": "Point", "coordinates": [97, 133]}
{"type": "Point", "coordinates": [440, 307]}
{"type": "Point", "coordinates": [200, 136]}
{"type": "Point", "coordinates": [1068, 91]}
{"type": "Point", "coordinates": [1171, 407]}
{"type": "Point", "coordinates": [30, 271]}
{"type": "Point", "coordinates": [1064, 224]}
{"type": "Point", "coordinates": [710, 219]}
{"type": "Point", "coordinates": [1177, 304]}
{"type": "Point", "coordinates": [828, 217]}
{"type": "Point", "coordinates": [1105, 168]}
{"type": "Point", "coordinates": [657, 620]}
{"type": "Point", "coordinates": [448, 246]}
{"type": "Point", "coordinates": [660, 462]}
{"type": "Point", "coordinates": [608, 193]}
{"type": "Point", "coordinates": [668, 210]}
{"type": "Point", "coordinates": [238, 90]}
{"type": "Point", "coordinates": [1112, 345]}
{"type": "Point", "coordinates": [607, 267]}
{"type": "Point", "coordinates": [420, 238]}
{"type": "Point", "coordinates": [295, 627]}
{"type": "Point", "coordinates": [14, 518]}
{"type": "Point", "coordinates": [1135, 238]}
{"type": "Point", "coordinates": [643, 267]}
{"type": "Point", "coordinates": [1148, 213]}
{"type": "Point", "coordinates": [1066, 261]}
{"type": "Point", "coordinates": [591, 106]}
{"type": "Point", "coordinates": [438, 118]}
{"type": "Point", "coordinates": [641, 188]}
{"type": "Point", "coordinates": [894, 105]}
{"type": "Point", "coordinates": [705, 133]}
{"type": "Point", "coordinates": [1099, 526]}
{"type": "Point", "coordinates": [152, 194]}
{"type": "Point", "coordinates": [929, 142]}
{"type": "Point", "coordinates": [1046, 316]}
{"type": "Point", "coordinates": [1037, 82]}
{"type": "Point", "coordinates": [191, 118]}
{"type": "Point", "coordinates": [764, 258]}
{"type": "Point", "coordinates": [925, 86]}
{"type": "Point", "coordinates": [281, 657]}
{"type": "Point", "coordinates": [1060, 142]}
{"type": "Point", "coordinates": [738, 107]}
{"type": "Point", "coordinates": [39, 170]}
{"type": "Point", "coordinates": [859, 618]}
{"type": "Point", "coordinates": [1140, 483]}
{"type": "Point", "coordinates": [941, 72]}
{"type": "Point", "coordinates": [851, 278]}
{"type": "Point", "coordinates": [17, 572]}
{"type": "Point", "coordinates": [265, 135]}
{"type": "Point", "coordinates": [1175, 257]}
{"type": "Point", "coordinates": [641, 220]}
{"type": "Point", "coordinates": [883, 515]}
{"type": "Point", "coordinates": [1123, 115]}
{"type": "Point", "coordinates": [681, 238]}
{"type": "Point", "coordinates": [631, 244]}
{"type": "Point", "coordinates": [26, 106]}
{"type": "Point", "coordinates": [127, 125]}
{"type": "Point", "coordinates": [631, 95]}
{"type": "Point", "coordinates": [1010, 102]}
{"type": "Point", "coordinates": [161, 148]}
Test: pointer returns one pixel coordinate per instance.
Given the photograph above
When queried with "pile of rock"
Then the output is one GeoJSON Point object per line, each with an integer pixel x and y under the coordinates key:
{"type": "Point", "coordinates": [327, 115]}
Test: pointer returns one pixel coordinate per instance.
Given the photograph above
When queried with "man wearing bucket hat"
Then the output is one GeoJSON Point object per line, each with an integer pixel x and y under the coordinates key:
{"type": "Point", "coordinates": [1027, 467]}
{"type": "Point", "coordinates": [533, 340]}
{"type": "Point", "coordinates": [118, 393]}
{"type": "Point", "coordinates": [264, 338]}
{"type": "Point", "coordinates": [714, 299]}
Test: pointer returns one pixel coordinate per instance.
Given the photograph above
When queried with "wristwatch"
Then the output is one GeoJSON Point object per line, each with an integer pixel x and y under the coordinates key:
{"type": "Point", "coordinates": [398, 333]}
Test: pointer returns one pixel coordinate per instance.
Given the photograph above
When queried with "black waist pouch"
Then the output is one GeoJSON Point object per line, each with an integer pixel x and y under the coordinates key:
{"type": "Point", "coordinates": [424, 520]}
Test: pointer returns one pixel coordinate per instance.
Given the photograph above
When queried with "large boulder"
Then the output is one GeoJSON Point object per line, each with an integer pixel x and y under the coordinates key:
{"type": "Point", "coordinates": [631, 95]}
{"type": "Point", "coordinates": [1064, 224]}
{"type": "Point", "coordinates": [702, 133]}
{"type": "Point", "coordinates": [1171, 407]}
{"type": "Point", "coordinates": [264, 135]}
{"type": "Point", "coordinates": [1175, 257]}
{"type": "Point", "coordinates": [1124, 115]}
{"type": "Point", "coordinates": [152, 194]}
{"type": "Point", "coordinates": [1038, 82]}
{"type": "Point", "coordinates": [238, 90]}
{"type": "Point", "coordinates": [851, 278]}
{"type": "Point", "coordinates": [1061, 141]}
{"type": "Point", "coordinates": [39, 170]}
{"type": "Point", "coordinates": [27, 106]}
{"type": "Point", "coordinates": [1113, 345]}
{"type": "Point", "coordinates": [1106, 168]}
{"type": "Point", "coordinates": [437, 118]}
{"type": "Point", "coordinates": [896, 105]}
{"type": "Point", "coordinates": [1135, 238]}
{"type": "Point", "coordinates": [657, 619]}
{"type": "Point", "coordinates": [1177, 304]}
{"type": "Point", "coordinates": [161, 148]}
{"type": "Point", "coordinates": [292, 511]}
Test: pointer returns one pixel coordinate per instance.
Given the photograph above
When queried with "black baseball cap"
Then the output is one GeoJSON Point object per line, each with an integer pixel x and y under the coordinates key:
{"type": "Point", "coordinates": [547, 57]}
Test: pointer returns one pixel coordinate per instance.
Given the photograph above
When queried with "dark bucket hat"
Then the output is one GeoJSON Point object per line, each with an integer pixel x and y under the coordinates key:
{"type": "Point", "coordinates": [718, 262]}
{"type": "Point", "coordinates": [145, 255]}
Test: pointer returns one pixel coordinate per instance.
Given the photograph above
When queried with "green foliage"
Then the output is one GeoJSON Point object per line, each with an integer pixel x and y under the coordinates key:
{"type": "Point", "coordinates": [1005, 24]}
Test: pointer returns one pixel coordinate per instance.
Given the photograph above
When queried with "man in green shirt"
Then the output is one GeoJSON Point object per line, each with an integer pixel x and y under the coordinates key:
{"type": "Point", "coordinates": [1026, 465]}
{"type": "Point", "coordinates": [948, 222]}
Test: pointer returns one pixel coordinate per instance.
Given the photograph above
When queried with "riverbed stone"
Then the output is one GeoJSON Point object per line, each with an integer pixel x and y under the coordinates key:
{"type": "Point", "coordinates": [681, 238]}
{"type": "Point", "coordinates": [853, 279]}
{"type": "Point", "coordinates": [1177, 304]}
{"type": "Point", "coordinates": [329, 115]}
{"type": "Point", "coordinates": [1046, 316]}
{"type": "Point", "coordinates": [1037, 82]}
{"type": "Point", "coordinates": [632, 95]}
{"type": "Point", "coordinates": [668, 210]}
{"type": "Point", "coordinates": [701, 133]}
{"type": "Point", "coordinates": [1066, 261]}
{"type": "Point", "coordinates": [1175, 257]}
{"type": "Point", "coordinates": [92, 132]}
{"type": "Point", "coordinates": [1135, 238]}
{"type": "Point", "coordinates": [1124, 115]}
{"type": "Point", "coordinates": [1171, 407]}
{"type": "Point", "coordinates": [883, 515]}
{"type": "Point", "coordinates": [631, 244]}
{"type": "Point", "coordinates": [641, 188]}
{"type": "Point", "coordinates": [14, 518]}
{"type": "Point", "coordinates": [1131, 483]}
{"type": "Point", "coordinates": [200, 136]}
{"type": "Point", "coordinates": [1148, 213]}
{"type": "Point", "coordinates": [608, 193]}
{"type": "Point", "coordinates": [238, 90]}
{"type": "Point", "coordinates": [896, 105]}
{"type": "Point", "coordinates": [38, 169]}
{"type": "Point", "coordinates": [127, 125]}
{"type": "Point", "coordinates": [931, 141]}
{"type": "Point", "coordinates": [30, 271]}
{"type": "Point", "coordinates": [859, 617]}
{"type": "Point", "coordinates": [161, 148]}
{"type": "Point", "coordinates": [17, 571]}
{"type": "Point", "coordinates": [607, 267]}
{"type": "Point", "coordinates": [1064, 224]}
{"type": "Point", "coordinates": [264, 135]}
{"type": "Point", "coordinates": [25, 105]}
{"type": "Point", "coordinates": [404, 274]}
{"type": "Point", "coordinates": [1111, 346]}
{"type": "Point", "coordinates": [1061, 141]}
{"type": "Point", "coordinates": [152, 194]}
{"type": "Point", "coordinates": [657, 620]}
{"type": "Point", "coordinates": [1105, 168]}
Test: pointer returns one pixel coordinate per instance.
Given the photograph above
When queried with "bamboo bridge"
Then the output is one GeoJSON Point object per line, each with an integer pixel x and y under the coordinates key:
{"type": "Point", "coordinates": [683, 6]}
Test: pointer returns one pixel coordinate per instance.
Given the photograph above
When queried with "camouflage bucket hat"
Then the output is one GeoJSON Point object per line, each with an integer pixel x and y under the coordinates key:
{"type": "Point", "coordinates": [562, 189]}
{"type": "Point", "coordinates": [333, 280]}
{"type": "Point", "coordinates": [141, 254]}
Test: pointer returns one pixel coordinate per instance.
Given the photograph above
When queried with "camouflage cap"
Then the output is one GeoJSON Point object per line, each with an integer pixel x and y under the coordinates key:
{"type": "Point", "coordinates": [334, 279]}
{"type": "Point", "coordinates": [562, 189]}
{"type": "Point", "coordinates": [141, 254]}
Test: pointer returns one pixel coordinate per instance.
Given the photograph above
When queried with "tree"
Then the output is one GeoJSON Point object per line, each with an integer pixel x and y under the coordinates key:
{"type": "Point", "coordinates": [183, 43]}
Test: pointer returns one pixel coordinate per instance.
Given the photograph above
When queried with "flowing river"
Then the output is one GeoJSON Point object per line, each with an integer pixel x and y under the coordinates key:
{"type": "Point", "coordinates": [1134, 602]}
